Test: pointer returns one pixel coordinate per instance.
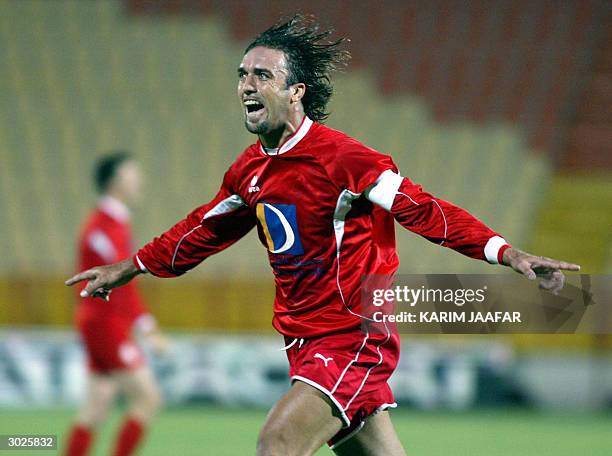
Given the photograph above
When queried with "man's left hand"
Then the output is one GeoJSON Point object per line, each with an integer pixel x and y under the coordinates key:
{"type": "Point", "coordinates": [531, 266]}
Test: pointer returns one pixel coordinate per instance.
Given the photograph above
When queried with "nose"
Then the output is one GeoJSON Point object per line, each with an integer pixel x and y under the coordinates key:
{"type": "Point", "coordinates": [248, 84]}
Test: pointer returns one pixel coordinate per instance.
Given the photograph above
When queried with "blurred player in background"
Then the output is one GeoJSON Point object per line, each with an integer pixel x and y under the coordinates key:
{"type": "Point", "coordinates": [324, 206]}
{"type": "Point", "coordinates": [116, 365]}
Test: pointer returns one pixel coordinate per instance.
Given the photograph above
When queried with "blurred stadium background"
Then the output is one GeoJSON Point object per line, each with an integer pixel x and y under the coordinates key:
{"type": "Point", "coordinates": [504, 107]}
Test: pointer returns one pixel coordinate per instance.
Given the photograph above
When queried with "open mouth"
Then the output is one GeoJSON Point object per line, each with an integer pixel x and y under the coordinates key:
{"type": "Point", "coordinates": [253, 106]}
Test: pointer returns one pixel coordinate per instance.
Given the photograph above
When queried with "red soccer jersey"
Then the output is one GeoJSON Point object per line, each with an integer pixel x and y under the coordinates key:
{"type": "Point", "coordinates": [106, 238]}
{"type": "Point", "coordinates": [324, 206]}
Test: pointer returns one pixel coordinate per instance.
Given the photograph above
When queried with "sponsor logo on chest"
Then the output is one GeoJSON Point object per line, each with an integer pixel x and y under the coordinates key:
{"type": "Point", "coordinates": [280, 227]}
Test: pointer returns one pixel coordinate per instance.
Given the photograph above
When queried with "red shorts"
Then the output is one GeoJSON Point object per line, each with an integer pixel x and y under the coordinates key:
{"type": "Point", "coordinates": [352, 369]}
{"type": "Point", "coordinates": [108, 343]}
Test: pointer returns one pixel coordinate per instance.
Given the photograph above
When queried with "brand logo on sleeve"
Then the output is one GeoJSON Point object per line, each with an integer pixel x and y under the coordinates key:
{"type": "Point", "coordinates": [279, 224]}
{"type": "Point", "coordinates": [253, 188]}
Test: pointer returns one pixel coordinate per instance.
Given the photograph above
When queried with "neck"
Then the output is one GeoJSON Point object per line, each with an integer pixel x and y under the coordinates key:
{"type": "Point", "coordinates": [115, 207]}
{"type": "Point", "coordinates": [277, 137]}
{"type": "Point", "coordinates": [119, 197]}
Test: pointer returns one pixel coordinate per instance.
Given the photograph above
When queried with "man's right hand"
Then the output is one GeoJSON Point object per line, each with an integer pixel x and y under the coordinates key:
{"type": "Point", "coordinates": [102, 279]}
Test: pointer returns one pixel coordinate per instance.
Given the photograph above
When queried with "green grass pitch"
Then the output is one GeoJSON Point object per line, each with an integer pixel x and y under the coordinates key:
{"type": "Point", "coordinates": [232, 432]}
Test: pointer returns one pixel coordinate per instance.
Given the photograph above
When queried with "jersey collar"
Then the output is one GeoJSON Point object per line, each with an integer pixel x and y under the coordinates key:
{"type": "Point", "coordinates": [114, 208]}
{"type": "Point", "coordinates": [291, 141]}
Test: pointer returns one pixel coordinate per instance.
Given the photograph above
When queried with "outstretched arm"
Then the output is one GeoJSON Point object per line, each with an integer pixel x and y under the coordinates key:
{"type": "Point", "coordinates": [207, 230]}
{"type": "Point", "coordinates": [451, 226]}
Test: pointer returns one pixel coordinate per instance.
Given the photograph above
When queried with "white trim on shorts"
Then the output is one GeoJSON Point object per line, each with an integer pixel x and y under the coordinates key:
{"type": "Point", "coordinates": [348, 436]}
{"type": "Point", "coordinates": [328, 394]}
{"type": "Point", "coordinates": [351, 434]}
{"type": "Point", "coordinates": [365, 379]}
{"type": "Point", "coordinates": [384, 407]}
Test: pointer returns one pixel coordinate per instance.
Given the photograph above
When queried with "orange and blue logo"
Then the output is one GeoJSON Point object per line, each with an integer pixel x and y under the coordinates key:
{"type": "Point", "coordinates": [279, 224]}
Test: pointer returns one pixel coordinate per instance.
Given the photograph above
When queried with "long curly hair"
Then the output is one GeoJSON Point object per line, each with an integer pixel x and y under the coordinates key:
{"type": "Point", "coordinates": [311, 58]}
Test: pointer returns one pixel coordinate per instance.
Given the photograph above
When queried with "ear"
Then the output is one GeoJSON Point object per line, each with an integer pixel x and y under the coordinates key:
{"type": "Point", "coordinates": [297, 92]}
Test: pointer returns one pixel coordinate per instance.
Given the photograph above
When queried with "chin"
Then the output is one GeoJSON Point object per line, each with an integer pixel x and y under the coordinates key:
{"type": "Point", "coordinates": [258, 129]}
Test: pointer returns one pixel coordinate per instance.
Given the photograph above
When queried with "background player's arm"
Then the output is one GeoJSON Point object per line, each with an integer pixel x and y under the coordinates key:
{"type": "Point", "coordinates": [146, 328]}
{"type": "Point", "coordinates": [446, 224]}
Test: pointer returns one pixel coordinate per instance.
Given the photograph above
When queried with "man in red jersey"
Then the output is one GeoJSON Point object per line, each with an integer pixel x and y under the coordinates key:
{"type": "Point", "coordinates": [324, 206]}
{"type": "Point", "coordinates": [116, 364]}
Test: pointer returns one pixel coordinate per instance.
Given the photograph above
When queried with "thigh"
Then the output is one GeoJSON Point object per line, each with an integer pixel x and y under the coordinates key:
{"type": "Point", "coordinates": [376, 438]}
{"type": "Point", "coordinates": [100, 388]}
{"type": "Point", "coordinates": [135, 383]}
{"type": "Point", "coordinates": [300, 422]}
{"type": "Point", "coordinates": [99, 397]}
{"type": "Point", "coordinates": [141, 391]}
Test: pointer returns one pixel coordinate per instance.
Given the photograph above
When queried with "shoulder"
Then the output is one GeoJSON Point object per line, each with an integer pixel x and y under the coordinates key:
{"type": "Point", "coordinates": [99, 221]}
{"type": "Point", "coordinates": [340, 147]}
{"type": "Point", "coordinates": [101, 235]}
{"type": "Point", "coordinates": [249, 153]}
{"type": "Point", "coordinates": [94, 221]}
{"type": "Point", "coordinates": [346, 152]}
{"type": "Point", "coordinates": [350, 163]}
{"type": "Point", "coordinates": [241, 164]}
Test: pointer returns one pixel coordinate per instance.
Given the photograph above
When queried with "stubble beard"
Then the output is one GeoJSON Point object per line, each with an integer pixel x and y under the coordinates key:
{"type": "Point", "coordinates": [259, 129]}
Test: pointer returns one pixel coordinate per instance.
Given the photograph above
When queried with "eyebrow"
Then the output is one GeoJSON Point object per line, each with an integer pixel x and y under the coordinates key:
{"type": "Point", "coordinates": [257, 71]}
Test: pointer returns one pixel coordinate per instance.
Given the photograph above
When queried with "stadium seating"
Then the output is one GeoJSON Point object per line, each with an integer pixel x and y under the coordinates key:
{"type": "Point", "coordinates": [89, 79]}
{"type": "Point", "coordinates": [469, 108]}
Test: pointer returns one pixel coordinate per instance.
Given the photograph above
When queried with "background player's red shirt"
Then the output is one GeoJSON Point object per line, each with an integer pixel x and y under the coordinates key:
{"type": "Point", "coordinates": [324, 206]}
{"type": "Point", "coordinates": [106, 238]}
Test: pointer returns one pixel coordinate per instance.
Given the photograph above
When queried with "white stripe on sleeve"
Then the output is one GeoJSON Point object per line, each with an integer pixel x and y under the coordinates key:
{"type": "Point", "coordinates": [229, 204]}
